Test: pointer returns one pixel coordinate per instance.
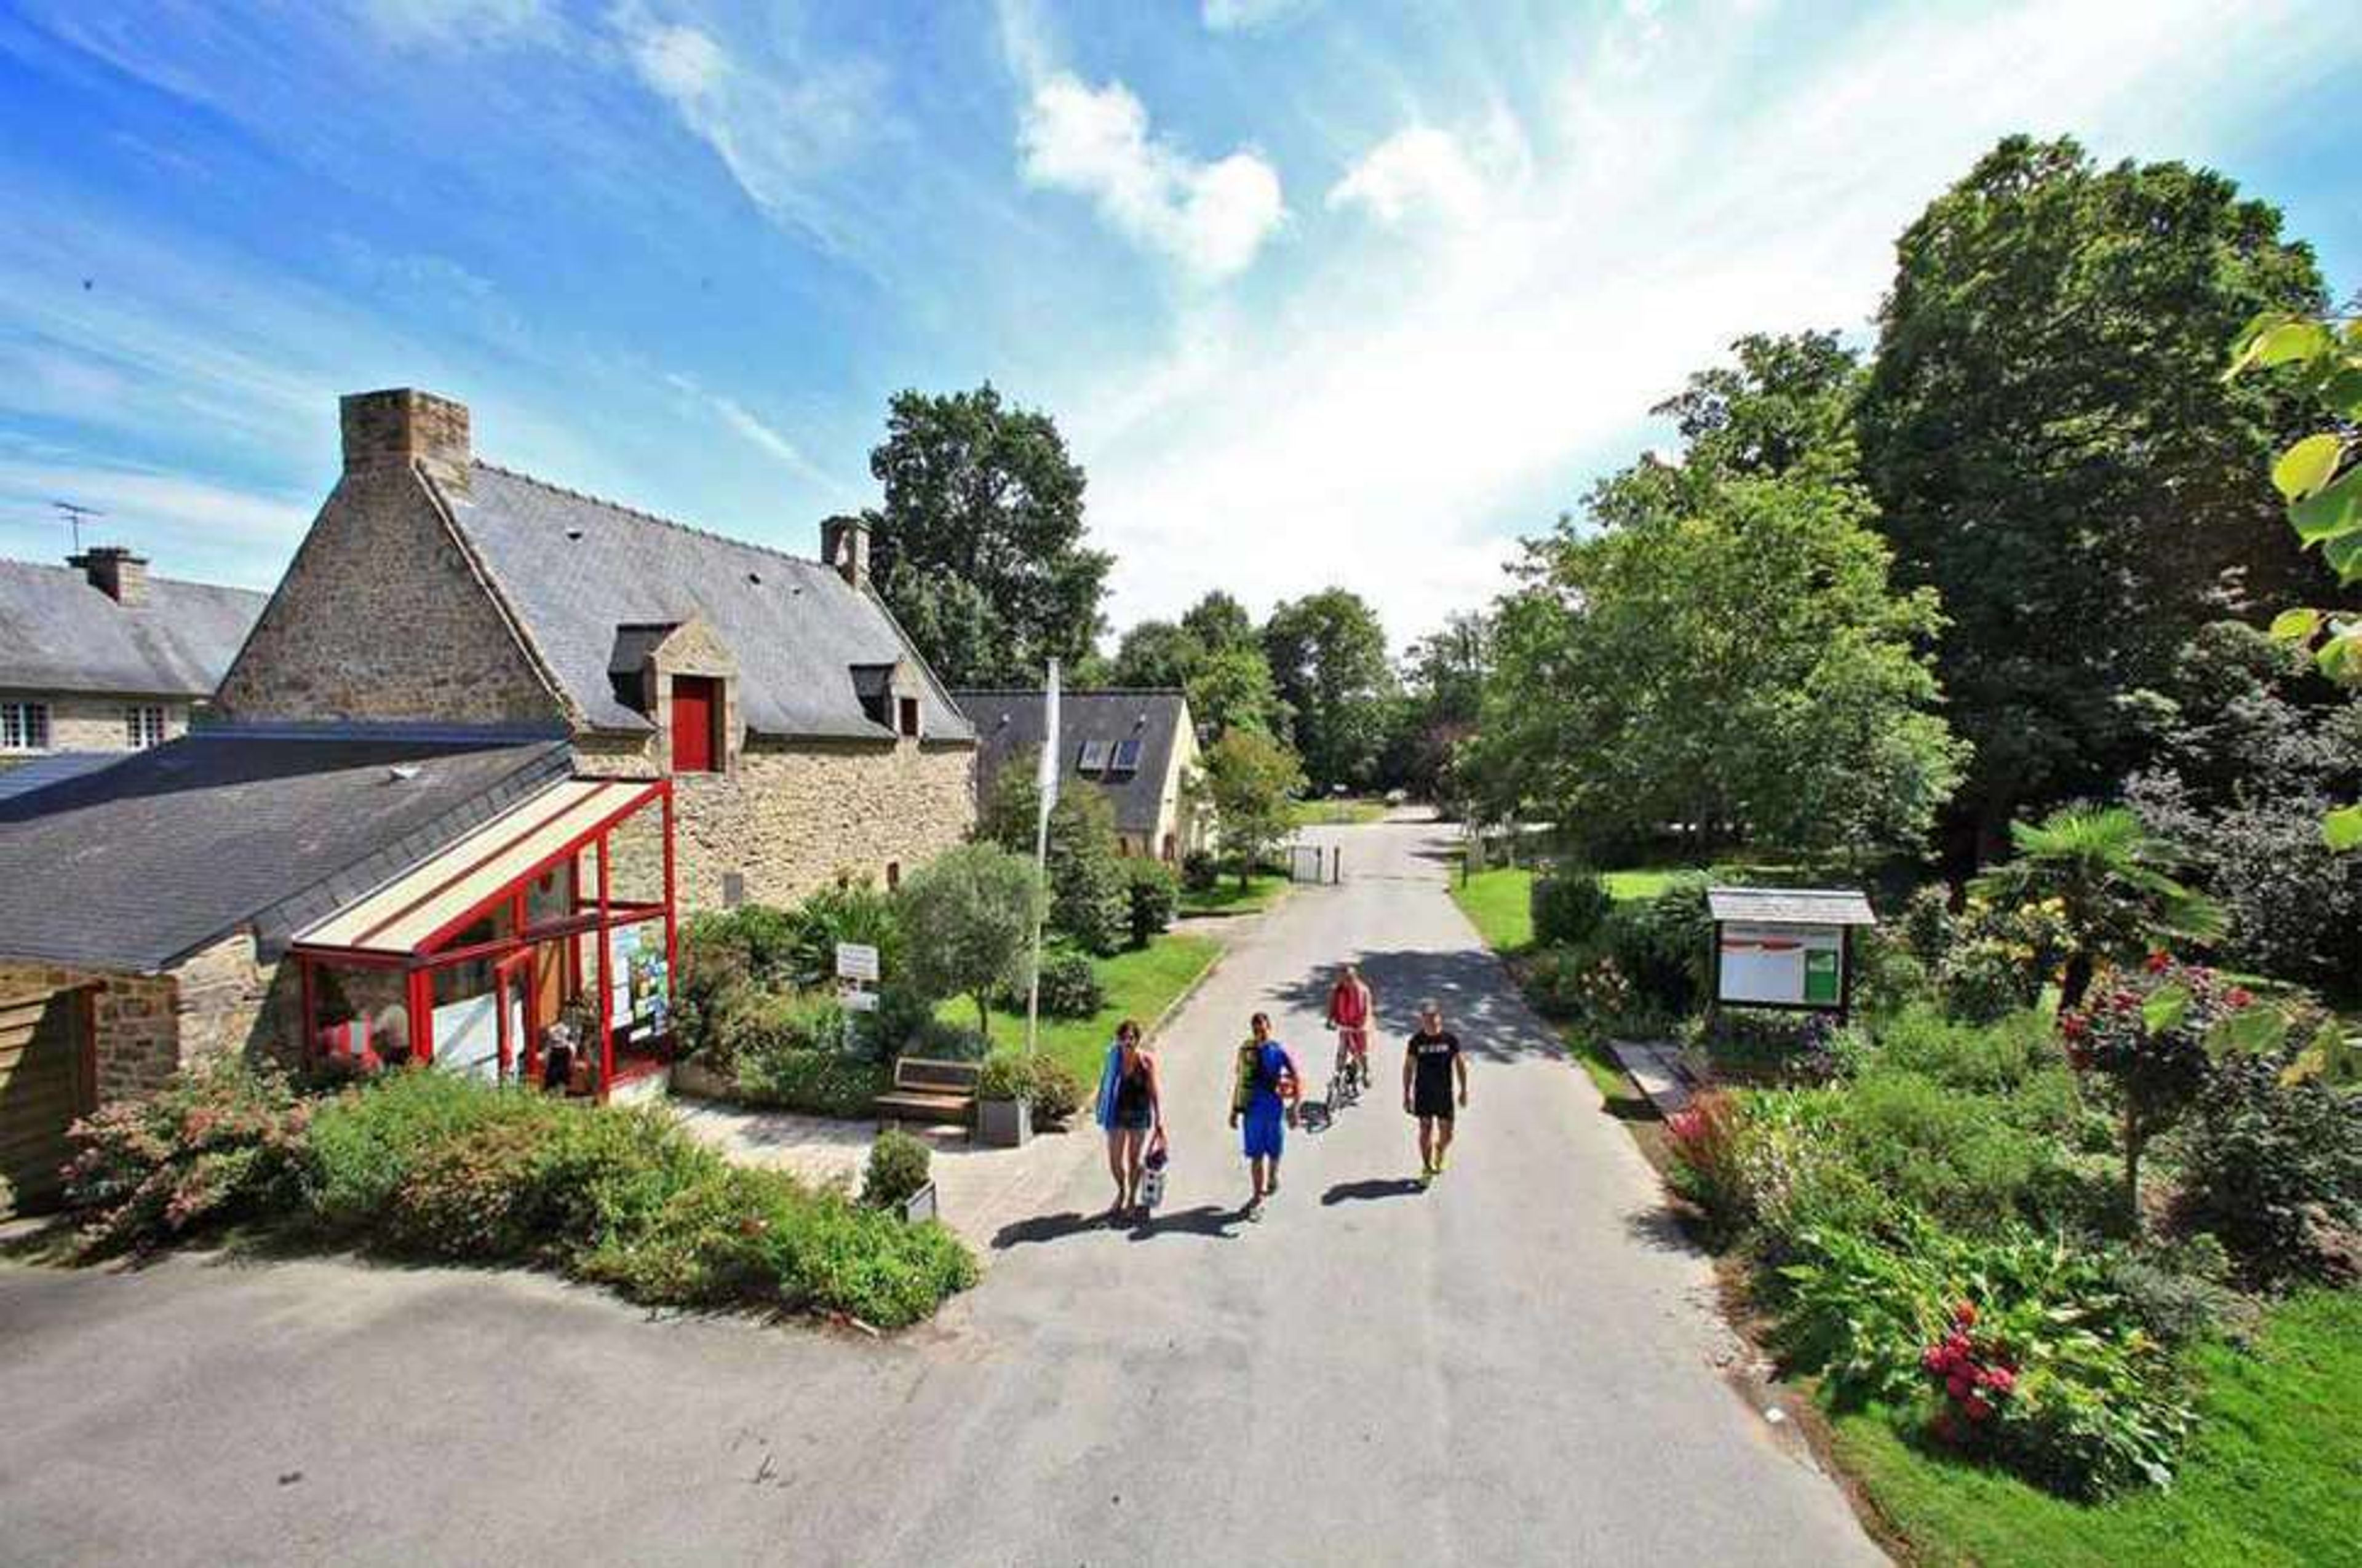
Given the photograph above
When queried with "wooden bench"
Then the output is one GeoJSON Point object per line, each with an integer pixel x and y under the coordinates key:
{"type": "Point", "coordinates": [926, 1089]}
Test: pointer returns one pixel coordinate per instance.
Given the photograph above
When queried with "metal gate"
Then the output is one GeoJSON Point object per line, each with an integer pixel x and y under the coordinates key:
{"type": "Point", "coordinates": [1314, 863]}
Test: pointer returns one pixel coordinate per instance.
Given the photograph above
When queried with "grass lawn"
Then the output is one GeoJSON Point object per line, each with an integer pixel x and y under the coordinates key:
{"type": "Point", "coordinates": [1227, 898]}
{"type": "Point", "coordinates": [1500, 901]}
{"type": "Point", "coordinates": [1140, 984]}
{"type": "Point", "coordinates": [1336, 813]}
{"type": "Point", "coordinates": [2271, 1478]}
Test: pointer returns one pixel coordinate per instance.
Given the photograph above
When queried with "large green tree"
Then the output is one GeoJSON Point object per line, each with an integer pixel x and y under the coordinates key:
{"type": "Point", "coordinates": [2053, 447]}
{"type": "Point", "coordinates": [978, 546]}
{"type": "Point", "coordinates": [1250, 778]}
{"type": "Point", "coordinates": [1328, 653]}
{"type": "Point", "coordinates": [1157, 654]}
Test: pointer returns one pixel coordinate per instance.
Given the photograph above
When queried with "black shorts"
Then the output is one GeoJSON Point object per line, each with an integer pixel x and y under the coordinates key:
{"type": "Point", "coordinates": [1433, 1102]}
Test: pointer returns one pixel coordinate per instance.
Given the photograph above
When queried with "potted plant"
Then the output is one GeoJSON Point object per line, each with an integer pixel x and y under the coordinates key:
{"type": "Point", "coordinates": [1004, 1101]}
{"type": "Point", "coordinates": [897, 1179]}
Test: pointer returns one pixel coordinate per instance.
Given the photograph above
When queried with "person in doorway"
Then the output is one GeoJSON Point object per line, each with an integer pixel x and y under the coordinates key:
{"type": "Point", "coordinates": [1433, 1067]}
{"type": "Point", "coordinates": [1350, 1003]}
{"type": "Point", "coordinates": [1131, 1111]}
{"type": "Point", "coordinates": [1264, 1103]}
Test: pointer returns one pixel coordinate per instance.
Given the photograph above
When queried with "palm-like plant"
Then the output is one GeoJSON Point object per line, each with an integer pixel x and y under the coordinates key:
{"type": "Point", "coordinates": [2113, 878]}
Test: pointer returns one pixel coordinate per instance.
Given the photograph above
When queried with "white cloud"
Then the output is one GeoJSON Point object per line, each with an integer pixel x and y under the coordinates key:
{"type": "Point", "coordinates": [1417, 171]}
{"type": "Point", "coordinates": [186, 526]}
{"type": "Point", "coordinates": [465, 23]}
{"type": "Point", "coordinates": [1211, 218]}
{"type": "Point", "coordinates": [749, 426]}
{"type": "Point", "coordinates": [780, 127]}
{"type": "Point", "coordinates": [1245, 16]}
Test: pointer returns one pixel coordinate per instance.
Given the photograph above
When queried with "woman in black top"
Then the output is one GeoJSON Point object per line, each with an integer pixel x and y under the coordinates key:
{"type": "Point", "coordinates": [1131, 1109]}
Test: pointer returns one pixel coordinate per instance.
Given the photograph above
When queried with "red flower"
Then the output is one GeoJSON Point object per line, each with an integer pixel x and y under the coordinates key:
{"type": "Point", "coordinates": [2000, 1379]}
{"type": "Point", "coordinates": [1975, 1409]}
{"type": "Point", "coordinates": [2156, 963]}
{"type": "Point", "coordinates": [1959, 1385]}
{"type": "Point", "coordinates": [2237, 997]}
{"type": "Point", "coordinates": [1965, 1314]}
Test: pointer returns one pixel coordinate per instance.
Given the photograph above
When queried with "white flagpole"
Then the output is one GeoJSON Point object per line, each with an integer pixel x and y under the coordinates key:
{"type": "Point", "coordinates": [1047, 785]}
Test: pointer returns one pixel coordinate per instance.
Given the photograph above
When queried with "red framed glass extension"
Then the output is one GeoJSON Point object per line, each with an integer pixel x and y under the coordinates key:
{"type": "Point", "coordinates": [471, 954]}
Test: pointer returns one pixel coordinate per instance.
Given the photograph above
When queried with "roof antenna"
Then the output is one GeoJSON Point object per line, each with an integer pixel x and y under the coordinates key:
{"type": "Point", "coordinates": [75, 515]}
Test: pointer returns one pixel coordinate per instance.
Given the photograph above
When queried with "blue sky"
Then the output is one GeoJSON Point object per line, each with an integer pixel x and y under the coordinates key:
{"type": "Point", "coordinates": [1319, 290]}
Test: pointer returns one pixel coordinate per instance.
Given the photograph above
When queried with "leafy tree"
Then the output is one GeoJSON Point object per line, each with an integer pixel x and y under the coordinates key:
{"type": "Point", "coordinates": [1251, 779]}
{"type": "Point", "coordinates": [2113, 875]}
{"type": "Point", "coordinates": [1328, 656]}
{"type": "Point", "coordinates": [1011, 811]}
{"type": "Point", "coordinates": [1157, 654]}
{"type": "Point", "coordinates": [2051, 447]}
{"type": "Point", "coordinates": [1218, 622]}
{"type": "Point", "coordinates": [1090, 894]}
{"type": "Point", "coordinates": [1738, 664]}
{"type": "Point", "coordinates": [1443, 683]}
{"type": "Point", "coordinates": [1232, 689]}
{"type": "Point", "coordinates": [967, 921]}
{"type": "Point", "coordinates": [979, 545]}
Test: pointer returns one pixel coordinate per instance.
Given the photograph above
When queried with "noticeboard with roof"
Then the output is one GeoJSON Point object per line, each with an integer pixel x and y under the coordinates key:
{"type": "Point", "coordinates": [1785, 947]}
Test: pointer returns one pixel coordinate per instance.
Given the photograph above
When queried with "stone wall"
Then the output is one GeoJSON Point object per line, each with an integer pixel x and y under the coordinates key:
{"type": "Point", "coordinates": [791, 818]}
{"type": "Point", "coordinates": [381, 616]}
{"type": "Point", "coordinates": [80, 722]}
{"type": "Point", "coordinates": [149, 1025]}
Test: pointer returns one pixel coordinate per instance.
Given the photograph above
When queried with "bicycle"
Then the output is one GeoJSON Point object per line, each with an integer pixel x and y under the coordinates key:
{"type": "Point", "coordinates": [1351, 1075]}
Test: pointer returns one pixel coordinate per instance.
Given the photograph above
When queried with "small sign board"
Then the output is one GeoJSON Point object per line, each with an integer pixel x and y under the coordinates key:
{"type": "Point", "coordinates": [856, 961]}
{"type": "Point", "coordinates": [1782, 965]}
{"type": "Point", "coordinates": [858, 1000]}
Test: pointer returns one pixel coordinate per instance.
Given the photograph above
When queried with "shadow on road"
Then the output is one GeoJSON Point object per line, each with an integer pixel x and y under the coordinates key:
{"type": "Point", "coordinates": [1205, 1219]}
{"type": "Point", "coordinates": [1366, 1192]}
{"type": "Point", "coordinates": [1046, 1228]}
{"type": "Point", "coordinates": [1469, 985]}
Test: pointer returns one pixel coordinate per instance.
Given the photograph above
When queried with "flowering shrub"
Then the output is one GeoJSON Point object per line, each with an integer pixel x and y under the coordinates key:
{"type": "Point", "coordinates": [1974, 1375]}
{"type": "Point", "coordinates": [1703, 1140]}
{"type": "Point", "coordinates": [1999, 954]}
{"type": "Point", "coordinates": [2148, 1036]}
{"type": "Point", "coordinates": [219, 1143]}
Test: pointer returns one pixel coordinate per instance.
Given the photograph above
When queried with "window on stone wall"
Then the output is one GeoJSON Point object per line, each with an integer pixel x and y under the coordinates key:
{"type": "Point", "coordinates": [24, 727]}
{"type": "Point", "coordinates": [907, 712]}
{"type": "Point", "coordinates": [143, 725]}
{"type": "Point", "coordinates": [893, 875]}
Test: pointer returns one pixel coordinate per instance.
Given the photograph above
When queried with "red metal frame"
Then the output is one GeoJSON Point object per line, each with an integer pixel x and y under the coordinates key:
{"type": "Point", "coordinates": [518, 947]}
{"type": "Point", "coordinates": [504, 974]}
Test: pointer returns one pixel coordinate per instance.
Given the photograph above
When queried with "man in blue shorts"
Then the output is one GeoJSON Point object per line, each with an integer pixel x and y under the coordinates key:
{"type": "Point", "coordinates": [1264, 1101]}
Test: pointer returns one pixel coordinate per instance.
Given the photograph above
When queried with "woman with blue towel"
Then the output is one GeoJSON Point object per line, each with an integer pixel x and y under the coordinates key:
{"type": "Point", "coordinates": [1132, 1109]}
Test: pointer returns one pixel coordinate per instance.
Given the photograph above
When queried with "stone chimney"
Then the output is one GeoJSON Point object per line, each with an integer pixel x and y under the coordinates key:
{"type": "Point", "coordinates": [845, 544]}
{"type": "Point", "coordinates": [114, 571]}
{"type": "Point", "coordinates": [401, 427]}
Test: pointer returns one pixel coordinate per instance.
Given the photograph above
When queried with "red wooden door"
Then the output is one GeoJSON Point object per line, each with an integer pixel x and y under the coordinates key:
{"type": "Point", "coordinates": [696, 703]}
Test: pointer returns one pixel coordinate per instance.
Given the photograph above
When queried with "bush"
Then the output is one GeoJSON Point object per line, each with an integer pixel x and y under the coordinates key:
{"type": "Point", "coordinates": [1954, 1155]}
{"type": "Point", "coordinates": [1041, 1080]}
{"type": "Point", "coordinates": [365, 1145]}
{"type": "Point", "coordinates": [1200, 870]}
{"type": "Point", "coordinates": [1661, 942]}
{"type": "Point", "coordinates": [820, 1083]}
{"type": "Point", "coordinates": [1070, 986]}
{"type": "Point", "coordinates": [2086, 1401]}
{"type": "Point", "coordinates": [856, 912]}
{"type": "Point", "coordinates": [898, 1167]}
{"type": "Point", "coordinates": [1090, 891]}
{"type": "Point", "coordinates": [1927, 925]}
{"type": "Point", "coordinates": [1999, 956]}
{"type": "Point", "coordinates": [1569, 904]}
{"type": "Point", "coordinates": [723, 952]}
{"type": "Point", "coordinates": [942, 1041]}
{"type": "Point", "coordinates": [1004, 1075]}
{"type": "Point", "coordinates": [1155, 900]}
{"type": "Point", "coordinates": [1703, 1138]}
{"type": "Point", "coordinates": [1794, 1047]}
{"type": "Point", "coordinates": [1797, 1175]}
{"type": "Point", "coordinates": [2275, 1170]}
{"type": "Point", "coordinates": [220, 1142]}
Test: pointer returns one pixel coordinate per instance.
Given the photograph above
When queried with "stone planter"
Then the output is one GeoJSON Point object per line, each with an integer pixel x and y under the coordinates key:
{"type": "Point", "coordinates": [1004, 1124]}
{"type": "Point", "coordinates": [920, 1205]}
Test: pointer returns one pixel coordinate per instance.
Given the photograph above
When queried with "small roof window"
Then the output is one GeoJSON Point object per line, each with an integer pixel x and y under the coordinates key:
{"type": "Point", "coordinates": [1092, 758]}
{"type": "Point", "coordinates": [1127, 757]}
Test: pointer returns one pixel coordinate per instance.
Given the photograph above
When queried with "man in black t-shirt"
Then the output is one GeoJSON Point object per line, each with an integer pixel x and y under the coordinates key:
{"type": "Point", "coordinates": [1432, 1068]}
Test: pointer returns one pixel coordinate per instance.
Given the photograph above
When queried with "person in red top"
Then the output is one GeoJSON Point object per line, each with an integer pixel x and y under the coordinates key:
{"type": "Point", "coordinates": [1350, 1003]}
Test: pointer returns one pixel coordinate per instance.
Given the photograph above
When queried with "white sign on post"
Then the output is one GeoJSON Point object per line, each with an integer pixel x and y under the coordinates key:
{"type": "Point", "coordinates": [1782, 965]}
{"type": "Point", "coordinates": [856, 961]}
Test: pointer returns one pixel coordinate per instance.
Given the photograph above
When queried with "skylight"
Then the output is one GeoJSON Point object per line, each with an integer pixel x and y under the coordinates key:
{"type": "Point", "coordinates": [1127, 757]}
{"type": "Point", "coordinates": [1093, 757]}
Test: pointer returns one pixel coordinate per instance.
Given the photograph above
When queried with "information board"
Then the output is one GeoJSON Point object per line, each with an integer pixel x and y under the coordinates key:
{"type": "Point", "coordinates": [1782, 965]}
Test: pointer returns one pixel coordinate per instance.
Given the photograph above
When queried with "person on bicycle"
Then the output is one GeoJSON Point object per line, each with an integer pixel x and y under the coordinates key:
{"type": "Point", "coordinates": [1351, 1005]}
{"type": "Point", "coordinates": [1431, 1067]}
{"type": "Point", "coordinates": [1264, 1101]}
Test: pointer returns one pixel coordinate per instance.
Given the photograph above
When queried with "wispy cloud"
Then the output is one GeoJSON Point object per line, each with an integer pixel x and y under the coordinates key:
{"type": "Point", "coordinates": [465, 23]}
{"type": "Point", "coordinates": [1423, 174]}
{"type": "Point", "coordinates": [187, 526]}
{"type": "Point", "coordinates": [1210, 217]}
{"type": "Point", "coordinates": [1245, 16]}
{"type": "Point", "coordinates": [749, 426]}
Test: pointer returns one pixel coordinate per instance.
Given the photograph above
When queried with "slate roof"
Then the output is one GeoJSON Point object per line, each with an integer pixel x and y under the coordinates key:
{"type": "Point", "coordinates": [1790, 906]}
{"type": "Point", "coordinates": [1011, 723]}
{"type": "Point", "coordinates": [53, 768]}
{"type": "Point", "coordinates": [140, 865]}
{"type": "Point", "coordinates": [57, 633]}
{"type": "Point", "coordinates": [575, 570]}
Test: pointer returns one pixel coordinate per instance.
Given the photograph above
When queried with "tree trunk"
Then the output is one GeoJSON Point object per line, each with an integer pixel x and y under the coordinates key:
{"type": "Point", "coordinates": [983, 1016]}
{"type": "Point", "coordinates": [2076, 982]}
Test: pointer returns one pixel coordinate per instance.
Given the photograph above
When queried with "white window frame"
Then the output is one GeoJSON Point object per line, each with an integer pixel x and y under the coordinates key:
{"type": "Point", "coordinates": [139, 731]}
{"type": "Point", "coordinates": [1092, 758]}
{"type": "Point", "coordinates": [24, 727]}
{"type": "Point", "coordinates": [1116, 759]}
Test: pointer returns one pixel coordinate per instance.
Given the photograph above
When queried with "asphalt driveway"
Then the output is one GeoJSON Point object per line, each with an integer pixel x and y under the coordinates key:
{"type": "Point", "coordinates": [1520, 1365]}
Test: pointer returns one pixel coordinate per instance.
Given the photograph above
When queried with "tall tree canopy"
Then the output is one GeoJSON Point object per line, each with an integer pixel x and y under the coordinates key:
{"type": "Point", "coordinates": [1328, 656]}
{"type": "Point", "coordinates": [1218, 622]}
{"type": "Point", "coordinates": [978, 546]}
{"type": "Point", "coordinates": [2052, 447]}
{"type": "Point", "coordinates": [1156, 654]}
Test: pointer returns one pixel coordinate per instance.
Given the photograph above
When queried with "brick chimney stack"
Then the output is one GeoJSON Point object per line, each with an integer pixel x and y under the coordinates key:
{"type": "Point", "coordinates": [401, 427]}
{"type": "Point", "coordinates": [845, 544]}
{"type": "Point", "coordinates": [114, 571]}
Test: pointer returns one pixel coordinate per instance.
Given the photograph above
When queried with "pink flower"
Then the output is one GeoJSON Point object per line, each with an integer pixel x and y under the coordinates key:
{"type": "Point", "coordinates": [1959, 1385]}
{"type": "Point", "coordinates": [2000, 1379]}
{"type": "Point", "coordinates": [2237, 997]}
{"type": "Point", "coordinates": [1976, 1409]}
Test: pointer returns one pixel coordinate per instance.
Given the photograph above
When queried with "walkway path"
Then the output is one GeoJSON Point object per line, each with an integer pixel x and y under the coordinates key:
{"type": "Point", "coordinates": [1519, 1365]}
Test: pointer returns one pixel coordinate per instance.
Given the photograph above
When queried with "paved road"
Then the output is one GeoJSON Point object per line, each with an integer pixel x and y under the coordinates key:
{"type": "Point", "coordinates": [1517, 1366]}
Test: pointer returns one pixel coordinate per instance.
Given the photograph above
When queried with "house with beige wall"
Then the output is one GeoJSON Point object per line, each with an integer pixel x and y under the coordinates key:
{"type": "Point", "coordinates": [808, 742]}
{"type": "Point", "coordinates": [1138, 747]}
{"type": "Point", "coordinates": [99, 658]}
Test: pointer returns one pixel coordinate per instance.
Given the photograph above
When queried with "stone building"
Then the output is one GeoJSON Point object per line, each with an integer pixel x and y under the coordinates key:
{"type": "Point", "coordinates": [1139, 747]}
{"type": "Point", "coordinates": [807, 741]}
{"type": "Point", "coordinates": [98, 658]}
